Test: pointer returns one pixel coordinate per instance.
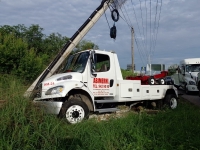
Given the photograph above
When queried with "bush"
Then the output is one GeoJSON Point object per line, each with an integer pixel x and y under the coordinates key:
{"type": "Point", "coordinates": [15, 58]}
{"type": "Point", "coordinates": [11, 51]}
{"type": "Point", "coordinates": [30, 66]}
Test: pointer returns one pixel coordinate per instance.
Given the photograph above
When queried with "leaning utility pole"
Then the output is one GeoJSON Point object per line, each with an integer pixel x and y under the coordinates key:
{"type": "Point", "coordinates": [132, 48]}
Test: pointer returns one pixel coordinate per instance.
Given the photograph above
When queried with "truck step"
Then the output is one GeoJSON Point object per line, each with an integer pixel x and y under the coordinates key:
{"type": "Point", "coordinates": [106, 101]}
{"type": "Point", "coordinates": [104, 110]}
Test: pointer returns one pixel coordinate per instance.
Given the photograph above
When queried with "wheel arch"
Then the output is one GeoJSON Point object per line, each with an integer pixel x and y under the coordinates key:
{"type": "Point", "coordinates": [83, 95]}
{"type": "Point", "coordinates": [170, 91]}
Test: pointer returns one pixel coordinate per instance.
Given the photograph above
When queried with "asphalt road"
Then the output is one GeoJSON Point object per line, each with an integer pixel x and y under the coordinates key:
{"type": "Point", "coordinates": [193, 97]}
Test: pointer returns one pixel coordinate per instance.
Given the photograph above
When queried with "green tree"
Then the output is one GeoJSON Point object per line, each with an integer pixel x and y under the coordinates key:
{"type": "Point", "coordinates": [25, 51]}
{"type": "Point", "coordinates": [17, 59]}
{"type": "Point", "coordinates": [84, 45]}
{"type": "Point", "coordinates": [12, 49]}
{"type": "Point", "coordinates": [172, 69]}
{"type": "Point", "coordinates": [18, 30]}
{"type": "Point", "coordinates": [30, 66]}
{"type": "Point", "coordinates": [53, 43]}
{"type": "Point", "coordinates": [34, 37]}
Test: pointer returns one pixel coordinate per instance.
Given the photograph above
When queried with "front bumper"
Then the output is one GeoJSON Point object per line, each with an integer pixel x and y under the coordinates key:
{"type": "Point", "coordinates": [49, 107]}
{"type": "Point", "coordinates": [192, 88]}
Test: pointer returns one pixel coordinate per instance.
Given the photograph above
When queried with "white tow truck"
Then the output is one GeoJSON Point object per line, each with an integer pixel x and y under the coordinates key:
{"type": "Point", "coordinates": [187, 75]}
{"type": "Point", "coordinates": [73, 86]}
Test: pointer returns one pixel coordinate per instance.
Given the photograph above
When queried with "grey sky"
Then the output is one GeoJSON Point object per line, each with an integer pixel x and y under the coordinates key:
{"type": "Point", "coordinates": [178, 32]}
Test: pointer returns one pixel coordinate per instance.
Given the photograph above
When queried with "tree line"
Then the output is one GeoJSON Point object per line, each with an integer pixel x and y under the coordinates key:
{"type": "Point", "coordinates": [26, 51]}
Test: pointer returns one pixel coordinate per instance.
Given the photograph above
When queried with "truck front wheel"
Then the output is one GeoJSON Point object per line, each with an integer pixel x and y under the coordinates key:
{"type": "Point", "coordinates": [74, 111]}
{"type": "Point", "coordinates": [171, 101]}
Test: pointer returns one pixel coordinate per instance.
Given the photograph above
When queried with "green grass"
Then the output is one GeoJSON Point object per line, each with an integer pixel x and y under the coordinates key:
{"type": "Point", "coordinates": [25, 127]}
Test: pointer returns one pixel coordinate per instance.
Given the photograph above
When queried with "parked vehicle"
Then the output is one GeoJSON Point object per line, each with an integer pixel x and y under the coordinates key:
{"type": "Point", "coordinates": [150, 79]}
{"type": "Point", "coordinates": [198, 82]}
{"type": "Point", "coordinates": [187, 75]}
{"type": "Point", "coordinates": [168, 80]}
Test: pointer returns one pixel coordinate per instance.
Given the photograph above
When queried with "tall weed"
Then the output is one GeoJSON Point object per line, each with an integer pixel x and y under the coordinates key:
{"type": "Point", "coordinates": [24, 126]}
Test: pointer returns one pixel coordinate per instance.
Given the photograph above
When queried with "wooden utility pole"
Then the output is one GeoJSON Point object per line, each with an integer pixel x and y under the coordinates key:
{"type": "Point", "coordinates": [132, 48]}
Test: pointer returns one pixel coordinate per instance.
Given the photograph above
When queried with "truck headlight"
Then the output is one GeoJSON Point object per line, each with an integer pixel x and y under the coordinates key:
{"type": "Point", "coordinates": [64, 78]}
{"type": "Point", "coordinates": [192, 83]}
{"type": "Point", "coordinates": [54, 90]}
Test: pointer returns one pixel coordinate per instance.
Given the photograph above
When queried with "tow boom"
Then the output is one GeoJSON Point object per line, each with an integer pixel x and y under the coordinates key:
{"type": "Point", "coordinates": [69, 46]}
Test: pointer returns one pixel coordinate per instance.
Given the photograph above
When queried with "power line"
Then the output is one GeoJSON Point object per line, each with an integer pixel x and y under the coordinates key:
{"type": "Point", "coordinates": [130, 25]}
{"type": "Point", "coordinates": [106, 17]}
{"type": "Point", "coordinates": [142, 24]}
{"type": "Point", "coordinates": [149, 31]}
{"type": "Point", "coordinates": [138, 29]}
{"type": "Point", "coordinates": [154, 29]}
{"type": "Point", "coordinates": [158, 23]}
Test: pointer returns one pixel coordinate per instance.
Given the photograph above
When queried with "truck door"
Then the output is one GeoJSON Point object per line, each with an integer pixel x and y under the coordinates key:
{"type": "Point", "coordinates": [101, 83]}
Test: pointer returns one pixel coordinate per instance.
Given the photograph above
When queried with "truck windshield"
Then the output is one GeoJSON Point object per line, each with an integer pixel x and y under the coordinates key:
{"type": "Point", "coordinates": [193, 68]}
{"type": "Point", "coordinates": [74, 63]}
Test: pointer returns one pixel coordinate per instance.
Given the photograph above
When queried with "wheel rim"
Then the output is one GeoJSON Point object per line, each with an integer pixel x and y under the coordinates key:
{"type": "Point", "coordinates": [162, 81]}
{"type": "Point", "coordinates": [75, 114]}
{"type": "Point", "coordinates": [152, 81]}
{"type": "Point", "coordinates": [173, 103]}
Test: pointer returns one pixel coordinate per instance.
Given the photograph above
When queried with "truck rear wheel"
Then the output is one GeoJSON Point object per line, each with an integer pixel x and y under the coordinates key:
{"type": "Point", "coordinates": [171, 101]}
{"type": "Point", "coordinates": [74, 111]}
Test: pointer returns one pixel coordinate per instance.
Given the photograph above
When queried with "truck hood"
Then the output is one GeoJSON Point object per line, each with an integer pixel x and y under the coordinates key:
{"type": "Point", "coordinates": [194, 75]}
{"type": "Point", "coordinates": [64, 76]}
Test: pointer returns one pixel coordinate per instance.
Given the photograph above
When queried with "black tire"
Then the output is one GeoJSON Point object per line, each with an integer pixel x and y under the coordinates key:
{"type": "Point", "coordinates": [151, 81]}
{"type": "Point", "coordinates": [113, 13]}
{"type": "Point", "coordinates": [161, 81]}
{"type": "Point", "coordinates": [74, 111]}
{"type": "Point", "coordinates": [171, 101]}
